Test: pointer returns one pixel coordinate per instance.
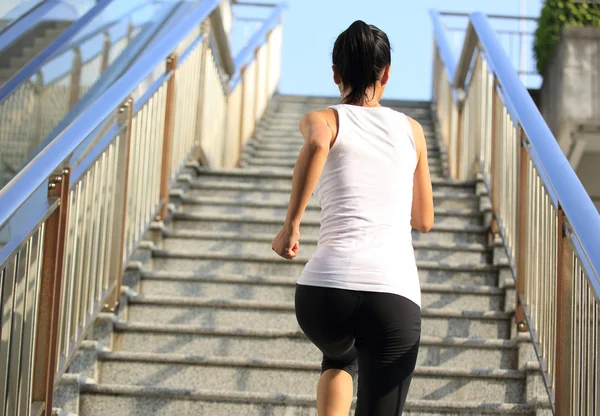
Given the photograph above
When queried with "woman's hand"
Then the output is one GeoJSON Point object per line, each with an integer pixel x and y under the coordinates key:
{"type": "Point", "coordinates": [286, 242]}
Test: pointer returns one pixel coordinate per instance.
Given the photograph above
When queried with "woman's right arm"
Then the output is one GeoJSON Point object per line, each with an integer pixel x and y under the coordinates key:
{"type": "Point", "coordinates": [422, 203]}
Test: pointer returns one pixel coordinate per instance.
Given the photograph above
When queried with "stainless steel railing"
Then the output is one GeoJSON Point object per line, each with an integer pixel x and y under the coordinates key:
{"type": "Point", "coordinates": [78, 210]}
{"type": "Point", "coordinates": [31, 111]}
{"type": "Point", "coordinates": [550, 227]}
{"type": "Point", "coordinates": [515, 33]}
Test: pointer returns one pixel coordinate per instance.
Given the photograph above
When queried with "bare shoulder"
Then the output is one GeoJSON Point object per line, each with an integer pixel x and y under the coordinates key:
{"type": "Point", "coordinates": [416, 127]}
{"type": "Point", "coordinates": [327, 116]}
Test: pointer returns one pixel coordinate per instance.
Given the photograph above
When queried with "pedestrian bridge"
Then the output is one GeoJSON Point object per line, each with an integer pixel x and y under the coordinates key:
{"type": "Point", "coordinates": [136, 272]}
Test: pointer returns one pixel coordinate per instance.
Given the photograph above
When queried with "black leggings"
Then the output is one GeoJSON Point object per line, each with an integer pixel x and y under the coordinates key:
{"type": "Point", "coordinates": [376, 332]}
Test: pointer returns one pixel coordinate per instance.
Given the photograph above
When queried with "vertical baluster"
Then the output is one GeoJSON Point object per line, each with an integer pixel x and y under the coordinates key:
{"type": "Point", "coordinates": [120, 206]}
{"type": "Point", "coordinates": [46, 352]}
{"type": "Point", "coordinates": [167, 149]}
{"type": "Point", "coordinates": [29, 349]}
{"type": "Point", "coordinates": [522, 227]}
{"type": "Point", "coordinates": [564, 311]}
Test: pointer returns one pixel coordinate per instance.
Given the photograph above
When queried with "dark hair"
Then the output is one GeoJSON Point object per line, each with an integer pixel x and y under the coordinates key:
{"type": "Point", "coordinates": [360, 54]}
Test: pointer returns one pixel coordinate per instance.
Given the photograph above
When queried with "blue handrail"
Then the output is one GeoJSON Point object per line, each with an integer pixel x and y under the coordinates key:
{"type": "Point", "coordinates": [572, 196]}
{"type": "Point", "coordinates": [564, 187]}
{"type": "Point", "coordinates": [32, 67]}
{"type": "Point", "coordinates": [25, 22]}
{"type": "Point", "coordinates": [246, 55]}
{"type": "Point", "coordinates": [443, 45]}
{"type": "Point", "coordinates": [41, 167]}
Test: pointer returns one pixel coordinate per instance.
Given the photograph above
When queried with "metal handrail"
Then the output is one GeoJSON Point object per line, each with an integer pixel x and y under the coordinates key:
{"type": "Point", "coordinates": [443, 44]}
{"type": "Point", "coordinates": [570, 195]}
{"type": "Point", "coordinates": [548, 223]}
{"type": "Point", "coordinates": [36, 173]}
{"type": "Point", "coordinates": [247, 54]}
{"type": "Point", "coordinates": [88, 199]}
{"type": "Point", "coordinates": [32, 67]}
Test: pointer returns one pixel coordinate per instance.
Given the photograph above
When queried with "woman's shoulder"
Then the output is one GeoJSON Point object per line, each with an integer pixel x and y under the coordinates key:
{"type": "Point", "coordinates": [328, 115]}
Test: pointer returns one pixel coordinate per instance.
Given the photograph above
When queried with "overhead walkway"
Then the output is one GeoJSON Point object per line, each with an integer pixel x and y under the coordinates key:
{"type": "Point", "coordinates": [138, 277]}
{"type": "Point", "coordinates": [51, 70]}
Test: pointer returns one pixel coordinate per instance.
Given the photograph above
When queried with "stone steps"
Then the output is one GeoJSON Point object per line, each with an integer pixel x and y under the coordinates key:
{"type": "Point", "coordinates": [434, 295]}
{"type": "Point", "coordinates": [196, 244]}
{"type": "Point", "coordinates": [241, 313]}
{"type": "Point", "coordinates": [207, 324]}
{"type": "Point", "coordinates": [448, 352]}
{"type": "Point", "coordinates": [278, 194]}
{"type": "Point", "coordinates": [100, 400]}
{"type": "Point", "coordinates": [441, 233]}
{"type": "Point", "coordinates": [293, 377]}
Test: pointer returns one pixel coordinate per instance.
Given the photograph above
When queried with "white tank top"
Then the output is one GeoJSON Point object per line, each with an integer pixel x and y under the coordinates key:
{"type": "Point", "coordinates": [365, 193]}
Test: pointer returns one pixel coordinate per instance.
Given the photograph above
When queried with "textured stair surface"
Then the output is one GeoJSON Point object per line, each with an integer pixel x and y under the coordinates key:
{"type": "Point", "coordinates": [208, 326]}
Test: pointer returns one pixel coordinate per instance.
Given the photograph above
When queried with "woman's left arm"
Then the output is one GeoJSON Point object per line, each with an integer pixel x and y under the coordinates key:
{"type": "Point", "coordinates": [318, 137]}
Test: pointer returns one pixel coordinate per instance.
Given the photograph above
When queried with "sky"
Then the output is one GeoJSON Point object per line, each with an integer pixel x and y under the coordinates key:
{"type": "Point", "coordinates": [310, 28]}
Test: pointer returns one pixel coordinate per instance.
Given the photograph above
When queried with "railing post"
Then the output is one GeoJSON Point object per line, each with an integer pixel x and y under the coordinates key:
{"type": "Point", "coordinates": [459, 139]}
{"type": "Point", "coordinates": [257, 69]}
{"type": "Point", "coordinates": [167, 150]}
{"type": "Point", "coordinates": [564, 285]}
{"type": "Point", "coordinates": [75, 78]}
{"type": "Point", "coordinates": [494, 164]}
{"type": "Point", "coordinates": [198, 154]}
{"type": "Point", "coordinates": [106, 51]}
{"type": "Point", "coordinates": [268, 67]}
{"type": "Point", "coordinates": [125, 119]}
{"type": "Point", "coordinates": [521, 251]}
{"type": "Point", "coordinates": [242, 115]}
{"type": "Point", "coordinates": [46, 351]}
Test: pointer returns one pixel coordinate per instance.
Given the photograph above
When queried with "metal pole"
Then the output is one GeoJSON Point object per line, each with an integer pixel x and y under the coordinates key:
{"type": "Point", "coordinates": [522, 28]}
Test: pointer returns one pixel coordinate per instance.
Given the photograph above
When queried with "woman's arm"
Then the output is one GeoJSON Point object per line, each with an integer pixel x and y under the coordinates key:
{"type": "Point", "coordinates": [318, 137]}
{"type": "Point", "coordinates": [422, 204]}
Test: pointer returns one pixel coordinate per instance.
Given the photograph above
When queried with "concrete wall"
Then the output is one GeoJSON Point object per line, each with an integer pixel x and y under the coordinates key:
{"type": "Point", "coordinates": [570, 102]}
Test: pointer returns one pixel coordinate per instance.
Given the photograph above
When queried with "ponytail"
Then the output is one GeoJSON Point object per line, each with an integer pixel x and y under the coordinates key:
{"type": "Point", "coordinates": [360, 54]}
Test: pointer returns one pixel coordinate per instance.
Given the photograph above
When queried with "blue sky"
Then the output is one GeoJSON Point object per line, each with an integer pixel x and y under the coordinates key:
{"type": "Point", "coordinates": [311, 27]}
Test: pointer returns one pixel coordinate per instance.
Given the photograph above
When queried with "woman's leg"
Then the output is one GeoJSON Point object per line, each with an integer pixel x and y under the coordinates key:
{"type": "Point", "coordinates": [327, 317]}
{"type": "Point", "coordinates": [387, 341]}
{"type": "Point", "coordinates": [334, 393]}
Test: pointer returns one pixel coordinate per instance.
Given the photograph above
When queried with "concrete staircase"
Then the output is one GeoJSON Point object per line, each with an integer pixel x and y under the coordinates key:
{"type": "Point", "coordinates": [207, 324]}
{"type": "Point", "coordinates": [17, 55]}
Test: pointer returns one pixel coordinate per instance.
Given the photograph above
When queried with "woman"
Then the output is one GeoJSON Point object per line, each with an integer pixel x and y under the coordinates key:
{"type": "Point", "coordinates": [358, 298]}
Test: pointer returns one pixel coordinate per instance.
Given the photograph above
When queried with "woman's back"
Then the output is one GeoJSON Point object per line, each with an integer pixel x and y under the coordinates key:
{"type": "Point", "coordinates": [365, 192]}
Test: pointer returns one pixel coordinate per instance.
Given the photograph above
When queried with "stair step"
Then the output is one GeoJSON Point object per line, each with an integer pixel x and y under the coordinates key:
{"type": "Point", "coordinates": [248, 191]}
{"type": "Point", "coordinates": [283, 178]}
{"type": "Point", "coordinates": [294, 145]}
{"type": "Point", "coordinates": [283, 184]}
{"type": "Point", "coordinates": [441, 233]}
{"type": "Point", "coordinates": [255, 315]}
{"type": "Point", "coordinates": [260, 244]}
{"type": "Point", "coordinates": [277, 211]}
{"type": "Point", "coordinates": [429, 271]}
{"type": "Point", "coordinates": [180, 339]}
{"type": "Point", "coordinates": [256, 152]}
{"type": "Point", "coordinates": [104, 399]}
{"type": "Point", "coordinates": [283, 289]}
{"type": "Point", "coordinates": [295, 377]}
{"type": "Point", "coordinates": [435, 168]}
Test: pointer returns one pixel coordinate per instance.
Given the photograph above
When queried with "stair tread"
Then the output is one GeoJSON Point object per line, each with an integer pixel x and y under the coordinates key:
{"type": "Point", "coordinates": [264, 237]}
{"type": "Point", "coordinates": [196, 359]}
{"type": "Point", "coordinates": [244, 397]}
{"type": "Point", "coordinates": [183, 301]}
{"type": "Point", "coordinates": [282, 281]}
{"type": "Point", "coordinates": [270, 220]}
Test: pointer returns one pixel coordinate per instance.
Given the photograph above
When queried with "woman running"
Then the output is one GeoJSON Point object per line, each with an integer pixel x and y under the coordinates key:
{"type": "Point", "coordinates": [358, 298]}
